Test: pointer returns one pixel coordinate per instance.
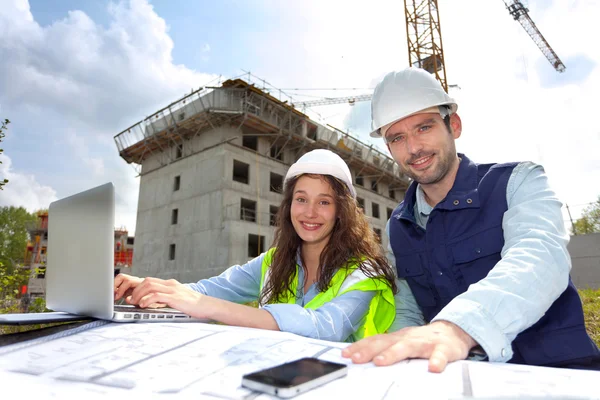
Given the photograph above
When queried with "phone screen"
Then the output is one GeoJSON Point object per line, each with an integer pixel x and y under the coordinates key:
{"type": "Point", "coordinates": [295, 372]}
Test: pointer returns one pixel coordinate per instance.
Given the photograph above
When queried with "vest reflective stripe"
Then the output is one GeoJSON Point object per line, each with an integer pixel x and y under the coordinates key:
{"type": "Point", "coordinates": [382, 310]}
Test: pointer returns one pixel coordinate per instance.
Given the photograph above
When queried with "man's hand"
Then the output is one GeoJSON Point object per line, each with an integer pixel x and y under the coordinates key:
{"type": "Point", "coordinates": [441, 342]}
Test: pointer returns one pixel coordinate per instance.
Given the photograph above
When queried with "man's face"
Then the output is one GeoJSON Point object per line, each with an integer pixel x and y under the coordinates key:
{"type": "Point", "coordinates": [423, 147]}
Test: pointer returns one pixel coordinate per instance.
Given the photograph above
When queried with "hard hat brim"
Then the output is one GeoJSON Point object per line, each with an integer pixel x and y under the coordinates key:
{"type": "Point", "coordinates": [377, 132]}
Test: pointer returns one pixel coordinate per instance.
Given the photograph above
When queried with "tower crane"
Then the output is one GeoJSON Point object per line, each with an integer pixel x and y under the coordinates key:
{"type": "Point", "coordinates": [424, 37]}
{"type": "Point", "coordinates": [520, 13]}
{"type": "Point", "coordinates": [425, 49]}
{"type": "Point", "coordinates": [333, 100]}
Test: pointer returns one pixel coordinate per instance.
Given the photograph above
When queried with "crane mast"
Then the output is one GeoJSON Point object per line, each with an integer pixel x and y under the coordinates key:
{"type": "Point", "coordinates": [424, 36]}
{"type": "Point", "coordinates": [520, 13]}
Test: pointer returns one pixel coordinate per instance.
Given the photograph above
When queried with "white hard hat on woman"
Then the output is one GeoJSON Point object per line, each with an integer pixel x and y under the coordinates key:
{"type": "Point", "coordinates": [404, 93]}
{"type": "Point", "coordinates": [322, 162]}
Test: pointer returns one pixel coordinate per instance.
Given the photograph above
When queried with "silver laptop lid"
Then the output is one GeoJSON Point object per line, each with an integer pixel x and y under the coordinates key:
{"type": "Point", "coordinates": [79, 276]}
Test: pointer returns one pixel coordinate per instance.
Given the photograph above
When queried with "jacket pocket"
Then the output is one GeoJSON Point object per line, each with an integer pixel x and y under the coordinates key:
{"type": "Point", "coordinates": [411, 268]}
{"type": "Point", "coordinates": [475, 256]}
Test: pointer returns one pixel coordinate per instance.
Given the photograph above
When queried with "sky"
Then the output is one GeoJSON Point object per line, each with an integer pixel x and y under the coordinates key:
{"type": "Point", "coordinates": [74, 74]}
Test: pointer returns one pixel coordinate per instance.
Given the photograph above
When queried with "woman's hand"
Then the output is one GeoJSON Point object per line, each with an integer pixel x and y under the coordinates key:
{"type": "Point", "coordinates": [198, 305]}
{"type": "Point", "coordinates": [124, 285]}
{"type": "Point", "coordinates": [169, 292]}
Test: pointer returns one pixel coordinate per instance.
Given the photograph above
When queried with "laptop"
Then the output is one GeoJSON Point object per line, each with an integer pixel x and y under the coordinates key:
{"type": "Point", "coordinates": [80, 260]}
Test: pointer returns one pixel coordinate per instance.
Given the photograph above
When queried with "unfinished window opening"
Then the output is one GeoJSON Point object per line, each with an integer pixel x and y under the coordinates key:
{"type": "Point", "coordinates": [273, 210]}
{"type": "Point", "coordinates": [392, 193]}
{"type": "Point", "coordinates": [374, 186]}
{"type": "Point", "coordinates": [250, 142]}
{"type": "Point", "coordinates": [177, 183]}
{"type": "Point", "coordinates": [179, 151]}
{"type": "Point", "coordinates": [277, 152]}
{"type": "Point", "coordinates": [312, 132]}
{"type": "Point", "coordinates": [172, 251]}
{"type": "Point", "coordinates": [276, 182]}
{"type": "Point", "coordinates": [174, 216]}
{"type": "Point", "coordinates": [256, 245]}
{"type": "Point", "coordinates": [248, 210]}
{"type": "Point", "coordinates": [241, 172]}
{"type": "Point", "coordinates": [359, 180]}
{"type": "Point", "coordinates": [130, 240]}
{"type": "Point", "coordinates": [389, 212]}
{"type": "Point", "coordinates": [377, 232]}
{"type": "Point", "coordinates": [361, 203]}
{"type": "Point", "coordinates": [375, 210]}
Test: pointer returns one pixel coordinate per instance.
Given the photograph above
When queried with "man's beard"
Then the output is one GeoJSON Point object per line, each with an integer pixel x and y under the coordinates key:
{"type": "Point", "coordinates": [445, 157]}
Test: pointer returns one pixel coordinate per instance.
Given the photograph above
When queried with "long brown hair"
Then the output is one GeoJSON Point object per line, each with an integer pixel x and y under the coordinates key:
{"type": "Point", "coordinates": [351, 241]}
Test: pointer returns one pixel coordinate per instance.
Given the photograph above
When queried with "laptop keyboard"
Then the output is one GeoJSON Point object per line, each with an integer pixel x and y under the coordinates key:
{"type": "Point", "coordinates": [129, 309]}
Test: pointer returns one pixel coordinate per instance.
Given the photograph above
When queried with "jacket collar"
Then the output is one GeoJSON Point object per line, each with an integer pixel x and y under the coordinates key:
{"type": "Point", "coordinates": [462, 195]}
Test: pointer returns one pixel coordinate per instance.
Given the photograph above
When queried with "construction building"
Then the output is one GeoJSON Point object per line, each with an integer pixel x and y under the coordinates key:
{"type": "Point", "coordinates": [36, 253]}
{"type": "Point", "coordinates": [211, 172]}
{"type": "Point", "coordinates": [123, 250]}
{"type": "Point", "coordinates": [37, 250]}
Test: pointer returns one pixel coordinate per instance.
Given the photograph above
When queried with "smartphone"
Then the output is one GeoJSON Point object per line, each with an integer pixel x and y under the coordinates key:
{"type": "Point", "coordinates": [290, 379]}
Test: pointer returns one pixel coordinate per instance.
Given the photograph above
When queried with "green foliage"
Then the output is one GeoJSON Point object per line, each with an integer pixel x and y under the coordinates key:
{"type": "Point", "coordinates": [12, 278]}
{"type": "Point", "coordinates": [591, 309]}
{"type": "Point", "coordinates": [589, 221]}
{"type": "Point", "coordinates": [3, 127]}
{"type": "Point", "coordinates": [13, 234]}
{"type": "Point", "coordinates": [38, 305]}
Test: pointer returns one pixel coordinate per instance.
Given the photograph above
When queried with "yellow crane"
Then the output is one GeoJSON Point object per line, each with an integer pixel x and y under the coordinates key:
{"type": "Point", "coordinates": [425, 49]}
{"type": "Point", "coordinates": [424, 37]}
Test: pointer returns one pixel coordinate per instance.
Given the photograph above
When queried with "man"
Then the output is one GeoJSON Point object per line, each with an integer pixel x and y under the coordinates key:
{"type": "Point", "coordinates": [483, 248]}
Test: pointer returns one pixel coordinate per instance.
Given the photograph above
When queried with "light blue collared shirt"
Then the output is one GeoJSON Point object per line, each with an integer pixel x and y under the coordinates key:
{"type": "Point", "coordinates": [337, 320]}
{"type": "Point", "coordinates": [532, 274]}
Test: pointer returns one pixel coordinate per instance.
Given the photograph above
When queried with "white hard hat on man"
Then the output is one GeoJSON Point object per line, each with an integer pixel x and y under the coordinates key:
{"type": "Point", "coordinates": [404, 93]}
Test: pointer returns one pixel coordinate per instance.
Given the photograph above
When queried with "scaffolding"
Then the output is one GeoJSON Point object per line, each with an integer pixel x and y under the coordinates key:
{"type": "Point", "coordinates": [254, 112]}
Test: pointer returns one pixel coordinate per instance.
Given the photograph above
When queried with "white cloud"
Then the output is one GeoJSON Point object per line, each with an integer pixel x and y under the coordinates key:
{"type": "Point", "coordinates": [89, 72]}
{"type": "Point", "coordinates": [95, 81]}
{"type": "Point", "coordinates": [80, 148]}
{"type": "Point", "coordinates": [23, 189]}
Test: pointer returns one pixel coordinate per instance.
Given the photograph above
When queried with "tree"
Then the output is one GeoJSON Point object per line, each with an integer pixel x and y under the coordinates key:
{"type": "Point", "coordinates": [589, 221]}
{"type": "Point", "coordinates": [13, 234]}
{"type": "Point", "coordinates": [12, 278]}
{"type": "Point", "coordinates": [2, 129]}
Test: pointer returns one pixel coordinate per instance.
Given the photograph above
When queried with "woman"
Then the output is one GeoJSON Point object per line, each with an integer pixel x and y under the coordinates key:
{"type": "Point", "coordinates": [325, 276]}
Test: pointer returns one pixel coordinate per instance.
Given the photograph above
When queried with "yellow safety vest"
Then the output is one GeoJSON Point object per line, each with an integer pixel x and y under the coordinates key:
{"type": "Point", "coordinates": [382, 310]}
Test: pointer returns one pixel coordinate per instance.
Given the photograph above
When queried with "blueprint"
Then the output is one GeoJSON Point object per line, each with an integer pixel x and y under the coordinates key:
{"type": "Point", "coordinates": [207, 361]}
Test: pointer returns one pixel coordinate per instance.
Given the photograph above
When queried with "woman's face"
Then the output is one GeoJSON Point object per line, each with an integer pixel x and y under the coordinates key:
{"type": "Point", "coordinates": [313, 210]}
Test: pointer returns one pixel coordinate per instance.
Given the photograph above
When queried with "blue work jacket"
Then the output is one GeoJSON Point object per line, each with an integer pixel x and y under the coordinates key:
{"type": "Point", "coordinates": [462, 242]}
